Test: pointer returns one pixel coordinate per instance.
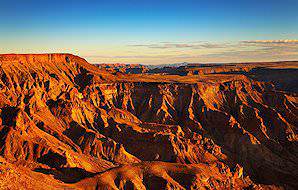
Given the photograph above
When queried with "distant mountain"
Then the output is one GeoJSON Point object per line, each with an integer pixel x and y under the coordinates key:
{"type": "Point", "coordinates": [167, 65]}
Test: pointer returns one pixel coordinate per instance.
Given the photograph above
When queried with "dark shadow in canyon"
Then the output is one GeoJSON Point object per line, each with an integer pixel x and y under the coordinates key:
{"type": "Point", "coordinates": [83, 79]}
{"type": "Point", "coordinates": [283, 79]}
{"type": "Point", "coordinates": [67, 175]}
{"type": "Point", "coordinates": [8, 115]}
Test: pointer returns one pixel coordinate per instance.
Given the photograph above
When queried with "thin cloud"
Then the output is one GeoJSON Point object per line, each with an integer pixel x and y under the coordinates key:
{"type": "Point", "coordinates": [194, 45]}
{"type": "Point", "coordinates": [285, 47]}
{"type": "Point", "coordinates": [223, 52]}
{"type": "Point", "coordinates": [271, 42]}
{"type": "Point", "coordinates": [166, 46]}
{"type": "Point", "coordinates": [215, 45]}
{"type": "Point", "coordinates": [129, 56]}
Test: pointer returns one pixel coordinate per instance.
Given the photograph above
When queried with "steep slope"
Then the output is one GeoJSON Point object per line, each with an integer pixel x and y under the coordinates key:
{"type": "Point", "coordinates": [40, 94]}
{"type": "Point", "coordinates": [161, 175]}
{"type": "Point", "coordinates": [65, 118]}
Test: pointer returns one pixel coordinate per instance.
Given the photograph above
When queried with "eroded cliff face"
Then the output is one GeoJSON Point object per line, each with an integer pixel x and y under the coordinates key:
{"type": "Point", "coordinates": [62, 117]}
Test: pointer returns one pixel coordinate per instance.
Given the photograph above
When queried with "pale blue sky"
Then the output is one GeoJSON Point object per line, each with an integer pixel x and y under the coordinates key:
{"type": "Point", "coordinates": [143, 31]}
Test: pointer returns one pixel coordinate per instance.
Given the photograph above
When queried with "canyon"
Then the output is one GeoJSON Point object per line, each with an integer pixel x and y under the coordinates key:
{"type": "Point", "coordinates": [69, 124]}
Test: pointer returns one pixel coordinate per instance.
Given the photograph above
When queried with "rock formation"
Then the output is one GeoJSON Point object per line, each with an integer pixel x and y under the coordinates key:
{"type": "Point", "coordinates": [68, 124]}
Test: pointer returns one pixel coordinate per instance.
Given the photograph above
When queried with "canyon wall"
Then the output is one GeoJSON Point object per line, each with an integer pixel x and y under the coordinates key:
{"type": "Point", "coordinates": [89, 128]}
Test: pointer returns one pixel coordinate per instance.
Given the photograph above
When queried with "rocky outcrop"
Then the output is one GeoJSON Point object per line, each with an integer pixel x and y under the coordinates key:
{"type": "Point", "coordinates": [161, 175]}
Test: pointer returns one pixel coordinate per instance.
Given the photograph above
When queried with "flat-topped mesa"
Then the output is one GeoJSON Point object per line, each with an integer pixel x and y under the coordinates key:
{"type": "Point", "coordinates": [54, 59]}
{"type": "Point", "coordinates": [40, 58]}
{"type": "Point", "coordinates": [66, 66]}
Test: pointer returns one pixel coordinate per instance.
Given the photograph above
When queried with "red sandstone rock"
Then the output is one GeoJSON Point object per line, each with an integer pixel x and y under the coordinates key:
{"type": "Point", "coordinates": [75, 125]}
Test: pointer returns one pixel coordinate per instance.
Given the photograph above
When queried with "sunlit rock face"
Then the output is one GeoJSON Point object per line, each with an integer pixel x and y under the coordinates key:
{"type": "Point", "coordinates": [68, 124]}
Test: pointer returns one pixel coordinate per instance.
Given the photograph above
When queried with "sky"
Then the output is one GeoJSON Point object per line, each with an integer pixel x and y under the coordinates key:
{"type": "Point", "coordinates": [152, 31]}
